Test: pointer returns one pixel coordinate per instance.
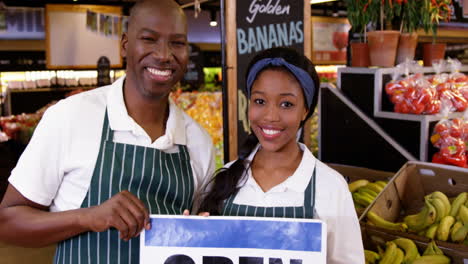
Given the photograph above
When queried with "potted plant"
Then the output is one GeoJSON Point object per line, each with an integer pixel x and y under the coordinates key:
{"type": "Point", "coordinates": [434, 11]}
{"type": "Point", "coordinates": [382, 43]}
{"type": "Point", "coordinates": [410, 15]}
{"type": "Point", "coordinates": [359, 18]}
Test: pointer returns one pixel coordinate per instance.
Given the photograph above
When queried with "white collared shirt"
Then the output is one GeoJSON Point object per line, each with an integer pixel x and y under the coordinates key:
{"type": "Point", "coordinates": [57, 165]}
{"type": "Point", "coordinates": [333, 204]}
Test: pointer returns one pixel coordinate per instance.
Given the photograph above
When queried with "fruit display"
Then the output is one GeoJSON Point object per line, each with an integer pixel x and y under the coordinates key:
{"type": "Point", "coordinates": [206, 109]}
{"type": "Point", "coordinates": [439, 219]}
{"type": "Point", "coordinates": [364, 192]}
{"type": "Point", "coordinates": [451, 138]}
{"type": "Point", "coordinates": [20, 127]}
{"type": "Point", "coordinates": [420, 94]}
{"type": "Point", "coordinates": [403, 250]}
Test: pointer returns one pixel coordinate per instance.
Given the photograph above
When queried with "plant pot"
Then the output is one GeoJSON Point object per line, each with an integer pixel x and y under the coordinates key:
{"type": "Point", "coordinates": [359, 54]}
{"type": "Point", "coordinates": [383, 47]}
{"type": "Point", "coordinates": [433, 51]}
{"type": "Point", "coordinates": [406, 47]}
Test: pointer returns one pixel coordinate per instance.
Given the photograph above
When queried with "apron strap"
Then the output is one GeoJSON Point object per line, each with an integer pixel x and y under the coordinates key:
{"type": "Point", "coordinates": [107, 132]}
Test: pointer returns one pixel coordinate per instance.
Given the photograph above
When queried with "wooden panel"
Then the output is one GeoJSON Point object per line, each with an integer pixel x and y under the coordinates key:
{"type": "Point", "coordinates": [231, 67]}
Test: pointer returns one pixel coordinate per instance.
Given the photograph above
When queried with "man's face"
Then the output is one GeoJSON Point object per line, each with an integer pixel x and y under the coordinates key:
{"type": "Point", "coordinates": [156, 49]}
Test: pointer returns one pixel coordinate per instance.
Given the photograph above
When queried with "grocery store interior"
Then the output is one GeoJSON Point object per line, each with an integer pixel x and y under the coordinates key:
{"type": "Point", "coordinates": [392, 115]}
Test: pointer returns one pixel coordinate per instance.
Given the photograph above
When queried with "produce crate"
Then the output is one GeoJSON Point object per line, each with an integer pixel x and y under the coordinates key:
{"type": "Point", "coordinates": [373, 237]}
{"type": "Point", "coordinates": [404, 195]}
{"type": "Point", "coordinates": [365, 87]}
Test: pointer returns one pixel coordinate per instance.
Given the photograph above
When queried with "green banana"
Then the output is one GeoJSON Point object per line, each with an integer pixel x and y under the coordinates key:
{"type": "Point", "coordinates": [423, 219]}
{"type": "Point", "coordinates": [459, 234]}
{"type": "Point", "coordinates": [461, 199]}
{"type": "Point", "coordinates": [411, 251]}
{"type": "Point", "coordinates": [432, 249]}
{"type": "Point", "coordinates": [380, 222]}
{"type": "Point", "coordinates": [367, 191]}
{"type": "Point", "coordinates": [463, 214]}
{"type": "Point", "coordinates": [357, 184]}
{"type": "Point", "coordinates": [399, 256]}
{"type": "Point", "coordinates": [440, 208]}
{"type": "Point", "coordinates": [371, 256]}
{"type": "Point", "coordinates": [375, 187]}
{"type": "Point", "coordinates": [362, 199]}
{"type": "Point", "coordinates": [444, 198]}
{"type": "Point", "coordinates": [390, 254]}
{"type": "Point", "coordinates": [444, 228]}
{"type": "Point", "coordinates": [432, 259]}
{"type": "Point", "coordinates": [431, 231]}
{"type": "Point", "coordinates": [381, 184]}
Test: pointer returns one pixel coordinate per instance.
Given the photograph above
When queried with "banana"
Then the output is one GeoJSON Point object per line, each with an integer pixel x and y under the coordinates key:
{"type": "Point", "coordinates": [463, 214]}
{"type": "Point", "coordinates": [381, 183]}
{"type": "Point", "coordinates": [371, 256]}
{"type": "Point", "coordinates": [365, 190]}
{"type": "Point", "coordinates": [444, 198]}
{"type": "Point", "coordinates": [362, 199]}
{"type": "Point", "coordinates": [423, 219]}
{"type": "Point", "coordinates": [431, 231]}
{"type": "Point", "coordinates": [444, 228]}
{"type": "Point", "coordinates": [432, 259]}
{"type": "Point", "coordinates": [440, 208]}
{"type": "Point", "coordinates": [461, 199]}
{"type": "Point", "coordinates": [380, 222]}
{"type": "Point", "coordinates": [411, 251]}
{"type": "Point", "coordinates": [357, 184]}
{"type": "Point", "coordinates": [432, 249]}
{"type": "Point", "coordinates": [390, 254]}
{"type": "Point", "coordinates": [375, 187]}
{"type": "Point", "coordinates": [399, 256]}
{"type": "Point", "coordinates": [456, 226]}
{"type": "Point", "coordinates": [459, 234]}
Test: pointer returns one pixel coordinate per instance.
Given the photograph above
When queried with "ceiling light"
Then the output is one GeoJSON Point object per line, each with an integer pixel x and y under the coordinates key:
{"type": "Point", "coordinates": [213, 21]}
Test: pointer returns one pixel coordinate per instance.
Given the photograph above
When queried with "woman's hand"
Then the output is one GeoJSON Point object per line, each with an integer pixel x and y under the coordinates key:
{"type": "Point", "coordinates": [187, 213]}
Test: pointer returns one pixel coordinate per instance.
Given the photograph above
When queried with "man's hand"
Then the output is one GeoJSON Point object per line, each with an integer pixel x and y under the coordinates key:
{"type": "Point", "coordinates": [123, 211]}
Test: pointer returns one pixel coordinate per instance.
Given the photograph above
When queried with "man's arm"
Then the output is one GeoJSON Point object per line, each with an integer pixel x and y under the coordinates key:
{"type": "Point", "coordinates": [29, 224]}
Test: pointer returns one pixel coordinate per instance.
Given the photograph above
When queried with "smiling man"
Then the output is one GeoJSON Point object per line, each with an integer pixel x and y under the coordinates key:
{"type": "Point", "coordinates": [100, 162]}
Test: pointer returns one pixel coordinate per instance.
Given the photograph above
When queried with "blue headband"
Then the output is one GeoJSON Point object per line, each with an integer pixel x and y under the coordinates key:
{"type": "Point", "coordinates": [304, 78]}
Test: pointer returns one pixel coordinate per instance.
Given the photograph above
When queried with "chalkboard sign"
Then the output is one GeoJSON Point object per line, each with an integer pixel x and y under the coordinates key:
{"type": "Point", "coordinates": [194, 76]}
{"type": "Point", "coordinates": [261, 25]}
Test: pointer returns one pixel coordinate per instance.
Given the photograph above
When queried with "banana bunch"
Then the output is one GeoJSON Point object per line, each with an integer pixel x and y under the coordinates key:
{"type": "Point", "coordinates": [404, 251]}
{"type": "Point", "coordinates": [364, 192]}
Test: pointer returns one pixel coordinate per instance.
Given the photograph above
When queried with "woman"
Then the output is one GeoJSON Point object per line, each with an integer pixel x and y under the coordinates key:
{"type": "Point", "coordinates": [275, 175]}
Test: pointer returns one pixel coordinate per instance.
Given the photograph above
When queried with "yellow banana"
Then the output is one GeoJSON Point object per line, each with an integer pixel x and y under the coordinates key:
{"type": "Point", "coordinates": [456, 226]}
{"type": "Point", "coordinates": [463, 214]}
{"type": "Point", "coordinates": [423, 219]}
{"type": "Point", "coordinates": [432, 259]}
{"type": "Point", "coordinates": [390, 254]}
{"type": "Point", "coordinates": [440, 208]}
{"type": "Point", "coordinates": [432, 249]}
{"type": "Point", "coordinates": [380, 222]}
{"type": "Point", "coordinates": [381, 184]}
{"type": "Point", "coordinates": [459, 234]}
{"type": "Point", "coordinates": [444, 228]}
{"type": "Point", "coordinates": [431, 231]}
{"type": "Point", "coordinates": [461, 199]}
{"type": "Point", "coordinates": [362, 199]}
{"type": "Point", "coordinates": [411, 251]}
{"type": "Point", "coordinates": [375, 187]}
{"type": "Point", "coordinates": [357, 184]}
{"type": "Point", "coordinates": [399, 256]}
{"type": "Point", "coordinates": [444, 198]}
{"type": "Point", "coordinates": [371, 256]}
{"type": "Point", "coordinates": [365, 190]}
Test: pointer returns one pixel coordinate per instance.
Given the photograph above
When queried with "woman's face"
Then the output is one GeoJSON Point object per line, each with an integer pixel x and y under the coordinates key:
{"type": "Point", "coordinates": [276, 109]}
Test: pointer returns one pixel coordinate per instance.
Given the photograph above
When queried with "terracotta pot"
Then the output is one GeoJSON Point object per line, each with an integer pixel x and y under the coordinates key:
{"type": "Point", "coordinates": [407, 47]}
{"type": "Point", "coordinates": [383, 47]}
{"type": "Point", "coordinates": [359, 54]}
{"type": "Point", "coordinates": [433, 52]}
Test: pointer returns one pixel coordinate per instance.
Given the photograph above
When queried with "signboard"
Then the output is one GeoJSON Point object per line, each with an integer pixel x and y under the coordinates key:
{"type": "Point", "coordinates": [233, 240]}
{"type": "Point", "coordinates": [330, 39]}
{"type": "Point", "coordinates": [22, 23]}
{"type": "Point", "coordinates": [261, 25]}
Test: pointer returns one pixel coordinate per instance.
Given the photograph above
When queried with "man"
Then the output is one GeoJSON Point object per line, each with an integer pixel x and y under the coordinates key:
{"type": "Point", "coordinates": [100, 162]}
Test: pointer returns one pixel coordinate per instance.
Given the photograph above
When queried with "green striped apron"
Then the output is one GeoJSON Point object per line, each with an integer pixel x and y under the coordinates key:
{"type": "Point", "coordinates": [305, 211]}
{"type": "Point", "coordinates": [162, 181]}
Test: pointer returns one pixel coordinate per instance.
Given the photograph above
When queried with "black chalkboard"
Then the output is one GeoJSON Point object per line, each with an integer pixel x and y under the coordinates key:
{"type": "Point", "coordinates": [261, 25]}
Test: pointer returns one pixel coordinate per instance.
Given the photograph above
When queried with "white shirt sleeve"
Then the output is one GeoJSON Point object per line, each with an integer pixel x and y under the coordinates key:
{"type": "Point", "coordinates": [39, 171]}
